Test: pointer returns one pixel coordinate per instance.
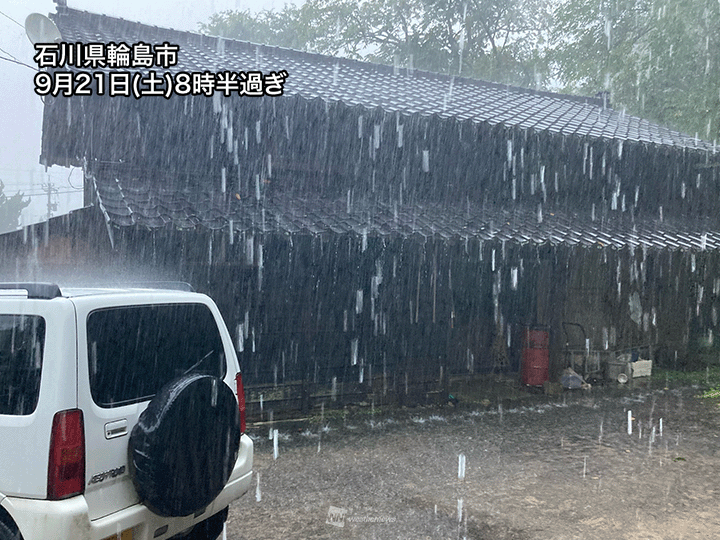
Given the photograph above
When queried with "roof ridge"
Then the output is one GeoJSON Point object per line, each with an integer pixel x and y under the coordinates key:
{"type": "Point", "coordinates": [199, 37]}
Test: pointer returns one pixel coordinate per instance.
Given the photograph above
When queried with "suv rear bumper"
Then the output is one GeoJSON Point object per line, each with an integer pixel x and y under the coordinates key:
{"type": "Point", "coordinates": [68, 519]}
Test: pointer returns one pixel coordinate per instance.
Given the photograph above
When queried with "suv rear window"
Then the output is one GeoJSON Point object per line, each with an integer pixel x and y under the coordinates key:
{"type": "Point", "coordinates": [22, 339]}
{"type": "Point", "coordinates": [134, 351]}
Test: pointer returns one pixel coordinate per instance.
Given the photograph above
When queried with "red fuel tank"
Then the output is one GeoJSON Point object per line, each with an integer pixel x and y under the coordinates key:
{"type": "Point", "coordinates": [535, 357]}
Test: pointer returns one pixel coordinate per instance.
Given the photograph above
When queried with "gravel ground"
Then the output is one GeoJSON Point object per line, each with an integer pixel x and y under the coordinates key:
{"type": "Point", "coordinates": [556, 468]}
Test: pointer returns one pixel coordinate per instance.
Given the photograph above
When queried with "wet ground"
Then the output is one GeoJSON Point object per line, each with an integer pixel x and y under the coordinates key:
{"type": "Point", "coordinates": [561, 467]}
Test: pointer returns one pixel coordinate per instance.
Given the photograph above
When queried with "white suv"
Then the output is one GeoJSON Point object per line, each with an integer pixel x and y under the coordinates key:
{"type": "Point", "coordinates": [122, 415]}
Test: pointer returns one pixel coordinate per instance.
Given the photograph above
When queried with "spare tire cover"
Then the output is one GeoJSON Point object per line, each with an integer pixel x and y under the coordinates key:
{"type": "Point", "coordinates": [185, 444]}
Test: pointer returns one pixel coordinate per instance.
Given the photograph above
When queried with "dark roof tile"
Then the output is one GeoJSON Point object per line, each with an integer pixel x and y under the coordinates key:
{"type": "Point", "coordinates": [286, 215]}
{"type": "Point", "coordinates": [370, 85]}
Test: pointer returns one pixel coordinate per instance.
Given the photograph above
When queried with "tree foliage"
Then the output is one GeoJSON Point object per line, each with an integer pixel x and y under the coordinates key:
{"type": "Point", "coordinates": [315, 27]}
{"type": "Point", "coordinates": [659, 59]}
{"type": "Point", "coordinates": [491, 39]}
{"type": "Point", "coordinates": [10, 209]}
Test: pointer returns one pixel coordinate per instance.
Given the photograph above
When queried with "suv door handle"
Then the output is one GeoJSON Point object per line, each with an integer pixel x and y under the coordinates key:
{"type": "Point", "coordinates": [118, 428]}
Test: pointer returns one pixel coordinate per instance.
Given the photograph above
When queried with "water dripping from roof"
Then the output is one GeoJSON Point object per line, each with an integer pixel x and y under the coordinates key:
{"type": "Point", "coordinates": [217, 103]}
{"type": "Point", "coordinates": [240, 338]}
{"type": "Point", "coordinates": [354, 351]}
{"type": "Point", "coordinates": [229, 132]}
{"type": "Point", "coordinates": [447, 97]}
{"type": "Point", "coordinates": [249, 252]}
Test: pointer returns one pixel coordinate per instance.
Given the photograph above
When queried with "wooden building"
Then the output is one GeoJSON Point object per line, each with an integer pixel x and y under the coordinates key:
{"type": "Point", "coordinates": [384, 224]}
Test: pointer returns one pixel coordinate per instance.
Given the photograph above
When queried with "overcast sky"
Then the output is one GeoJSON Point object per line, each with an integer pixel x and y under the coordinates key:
{"type": "Point", "coordinates": [21, 109]}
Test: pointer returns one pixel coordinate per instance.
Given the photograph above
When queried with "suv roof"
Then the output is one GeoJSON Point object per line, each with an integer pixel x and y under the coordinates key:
{"type": "Point", "coordinates": [48, 291]}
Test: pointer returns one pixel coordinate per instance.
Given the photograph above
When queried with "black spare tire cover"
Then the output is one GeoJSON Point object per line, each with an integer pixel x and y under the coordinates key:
{"type": "Point", "coordinates": [185, 444]}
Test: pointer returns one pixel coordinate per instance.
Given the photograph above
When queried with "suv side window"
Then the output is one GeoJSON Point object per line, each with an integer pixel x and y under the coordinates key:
{"type": "Point", "coordinates": [134, 351]}
{"type": "Point", "coordinates": [22, 340]}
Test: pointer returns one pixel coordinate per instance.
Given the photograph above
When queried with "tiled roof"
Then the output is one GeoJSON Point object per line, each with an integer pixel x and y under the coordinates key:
{"type": "Point", "coordinates": [370, 85]}
{"type": "Point", "coordinates": [127, 204]}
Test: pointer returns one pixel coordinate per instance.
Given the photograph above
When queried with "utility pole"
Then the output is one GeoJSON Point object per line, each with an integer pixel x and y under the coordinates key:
{"type": "Point", "coordinates": [51, 207]}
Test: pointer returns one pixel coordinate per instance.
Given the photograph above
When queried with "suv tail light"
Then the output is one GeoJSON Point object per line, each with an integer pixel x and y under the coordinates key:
{"type": "Point", "coordinates": [241, 400]}
{"type": "Point", "coordinates": [66, 465]}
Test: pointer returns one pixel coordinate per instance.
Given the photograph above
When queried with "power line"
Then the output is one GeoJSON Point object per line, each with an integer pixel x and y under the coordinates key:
{"type": "Point", "coordinates": [36, 194]}
{"type": "Point", "coordinates": [9, 54]}
{"type": "Point", "coordinates": [68, 179]}
{"type": "Point", "coordinates": [44, 193]}
{"type": "Point", "coordinates": [13, 20]}
{"type": "Point", "coordinates": [18, 62]}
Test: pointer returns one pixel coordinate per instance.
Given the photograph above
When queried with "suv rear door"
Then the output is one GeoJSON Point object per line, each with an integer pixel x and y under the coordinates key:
{"type": "Point", "coordinates": [37, 349]}
{"type": "Point", "coordinates": [126, 354]}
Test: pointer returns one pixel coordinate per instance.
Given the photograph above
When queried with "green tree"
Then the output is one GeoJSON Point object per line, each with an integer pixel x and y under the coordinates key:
{"type": "Point", "coordinates": [10, 209]}
{"type": "Point", "coordinates": [659, 59]}
{"type": "Point", "coordinates": [491, 39]}
{"type": "Point", "coordinates": [314, 27]}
